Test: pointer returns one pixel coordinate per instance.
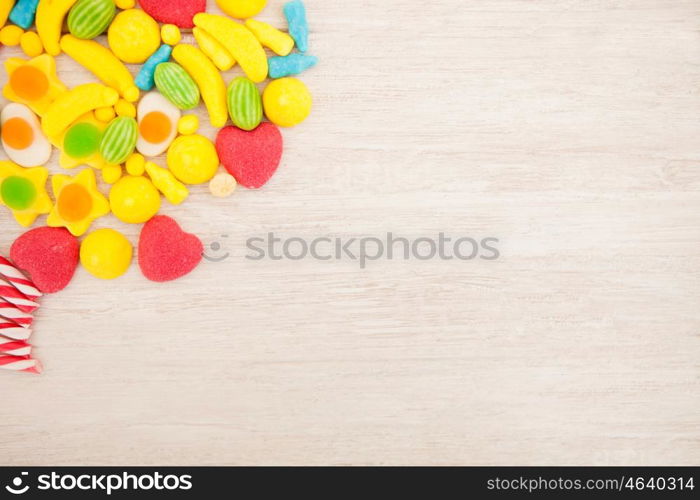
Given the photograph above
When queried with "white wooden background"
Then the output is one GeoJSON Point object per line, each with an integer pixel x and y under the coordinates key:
{"type": "Point", "coordinates": [569, 129]}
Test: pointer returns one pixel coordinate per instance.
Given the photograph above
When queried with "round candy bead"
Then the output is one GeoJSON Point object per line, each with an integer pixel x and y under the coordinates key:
{"type": "Point", "coordinates": [31, 44]}
{"type": "Point", "coordinates": [10, 35]}
{"type": "Point", "coordinates": [133, 36]}
{"type": "Point", "coordinates": [134, 199]}
{"type": "Point", "coordinates": [188, 125]}
{"type": "Point", "coordinates": [287, 102]}
{"type": "Point", "coordinates": [192, 159]}
{"type": "Point", "coordinates": [106, 254]}
{"type": "Point", "coordinates": [170, 34]}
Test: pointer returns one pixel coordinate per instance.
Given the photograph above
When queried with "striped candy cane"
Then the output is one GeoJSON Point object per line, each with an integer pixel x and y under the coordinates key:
{"type": "Point", "coordinates": [8, 311]}
{"type": "Point", "coordinates": [15, 297]}
{"type": "Point", "coordinates": [20, 364]}
{"type": "Point", "coordinates": [14, 347]}
{"type": "Point", "coordinates": [14, 331]}
{"type": "Point", "coordinates": [19, 280]}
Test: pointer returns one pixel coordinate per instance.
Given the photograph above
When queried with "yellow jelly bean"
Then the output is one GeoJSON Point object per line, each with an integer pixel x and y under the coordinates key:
{"type": "Point", "coordinates": [188, 125]}
{"type": "Point", "coordinates": [287, 102]}
{"type": "Point", "coordinates": [10, 35]}
{"type": "Point", "coordinates": [31, 44]}
{"type": "Point", "coordinates": [221, 57]}
{"type": "Point", "coordinates": [125, 4]}
{"type": "Point", "coordinates": [135, 165]}
{"type": "Point", "coordinates": [173, 190]}
{"type": "Point", "coordinates": [5, 8]}
{"type": "Point", "coordinates": [111, 173]}
{"type": "Point", "coordinates": [103, 64]}
{"type": "Point", "coordinates": [133, 36]}
{"type": "Point", "coordinates": [106, 114]}
{"type": "Point", "coordinates": [74, 103]}
{"type": "Point", "coordinates": [211, 84]}
{"type": "Point", "coordinates": [277, 41]}
{"type": "Point", "coordinates": [106, 254]}
{"type": "Point", "coordinates": [170, 34]}
{"type": "Point", "coordinates": [192, 159]}
{"type": "Point", "coordinates": [241, 8]}
{"type": "Point", "coordinates": [222, 185]}
{"type": "Point", "coordinates": [239, 41]}
{"type": "Point", "coordinates": [125, 108]}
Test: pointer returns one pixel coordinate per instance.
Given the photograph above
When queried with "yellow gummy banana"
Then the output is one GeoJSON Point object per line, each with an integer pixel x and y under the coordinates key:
{"type": "Point", "coordinates": [173, 190]}
{"type": "Point", "coordinates": [221, 57]}
{"type": "Point", "coordinates": [73, 104]}
{"type": "Point", "coordinates": [49, 22]}
{"type": "Point", "coordinates": [278, 41]}
{"type": "Point", "coordinates": [5, 8]}
{"type": "Point", "coordinates": [103, 64]}
{"type": "Point", "coordinates": [239, 41]}
{"type": "Point", "coordinates": [208, 79]}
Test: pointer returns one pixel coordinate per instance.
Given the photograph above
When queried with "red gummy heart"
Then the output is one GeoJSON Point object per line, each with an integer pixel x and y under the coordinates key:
{"type": "Point", "coordinates": [166, 252]}
{"type": "Point", "coordinates": [251, 157]}
{"type": "Point", "coordinates": [177, 12]}
{"type": "Point", "coordinates": [49, 255]}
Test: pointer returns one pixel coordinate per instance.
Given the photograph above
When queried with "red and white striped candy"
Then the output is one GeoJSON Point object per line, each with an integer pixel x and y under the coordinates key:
{"type": "Point", "coordinates": [18, 279]}
{"type": "Point", "coordinates": [8, 311]}
{"type": "Point", "coordinates": [15, 297]}
{"type": "Point", "coordinates": [14, 331]}
{"type": "Point", "coordinates": [14, 347]}
{"type": "Point", "coordinates": [20, 364]}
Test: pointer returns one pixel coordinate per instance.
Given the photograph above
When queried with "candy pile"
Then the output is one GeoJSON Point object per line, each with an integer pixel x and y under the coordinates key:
{"type": "Point", "coordinates": [18, 300]}
{"type": "Point", "coordinates": [111, 127]}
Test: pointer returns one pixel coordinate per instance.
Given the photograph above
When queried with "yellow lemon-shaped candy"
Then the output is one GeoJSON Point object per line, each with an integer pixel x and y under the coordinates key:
{"type": "Point", "coordinates": [106, 254]}
{"type": "Point", "coordinates": [241, 9]}
{"type": "Point", "coordinates": [133, 36]}
{"type": "Point", "coordinates": [287, 102]}
{"type": "Point", "coordinates": [134, 199]}
{"type": "Point", "coordinates": [192, 159]}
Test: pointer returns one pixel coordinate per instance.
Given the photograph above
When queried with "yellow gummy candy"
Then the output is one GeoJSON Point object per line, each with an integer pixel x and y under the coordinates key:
{"type": "Point", "coordinates": [71, 105]}
{"type": "Point", "coordinates": [105, 114]}
{"type": "Point", "coordinates": [239, 41]}
{"type": "Point", "coordinates": [188, 125]}
{"type": "Point", "coordinates": [241, 8]}
{"type": "Point", "coordinates": [111, 173]}
{"type": "Point", "coordinates": [49, 22]}
{"type": "Point", "coordinates": [221, 57]}
{"type": "Point", "coordinates": [31, 44]}
{"type": "Point", "coordinates": [170, 34]}
{"type": "Point", "coordinates": [5, 8]}
{"type": "Point", "coordinates": [135, 164]}
{"type": "Point", "coordinates": [208, 79]}
{"type": "Point", "coordinates": [133, 36]}
{"type": "Point", "coordinates": [277, 41]}
{"type": "Point", "coordinates": [125, 108]}
{"type": "Point", "coordinates": [125, 4]}
{"type": "Point", "coordinates": [173, 190]}
{"type": "Point", "coordinates": [10, 35]}
{"type": "Point", "coordinates": [103, 64]}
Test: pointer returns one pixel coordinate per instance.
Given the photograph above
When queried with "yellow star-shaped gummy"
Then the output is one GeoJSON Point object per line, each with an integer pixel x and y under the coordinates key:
{"type": "Point", "coordinates": [78, 202]}
{"type": "Point", "coordinates": [80, 143]}
{"type": "Point", "coordinates": [23, 191]}
{"type": "Point", "coordinates": [33, 82]}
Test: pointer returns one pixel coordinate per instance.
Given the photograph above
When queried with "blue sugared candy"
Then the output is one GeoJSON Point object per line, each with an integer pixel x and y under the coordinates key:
{"type": "Point", "coordinates": [23, 13]}
{"type": "Point", "coordinates": [293, 64]}
{"type": "Point", "coordinates": [295, 12]}
{"type": "Point", "coordinates": [145, 79]}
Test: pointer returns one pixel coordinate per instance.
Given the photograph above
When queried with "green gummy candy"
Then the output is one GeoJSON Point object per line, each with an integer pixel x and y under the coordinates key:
{"type": "Point", "coordinates": [89, 18]}
{"type": "Point", "coordinates": [177, 85]}
{"type": "Point", "coordinates": [119, 140]}
{"type": "Point", "coordinates": [244, 103]}
{"type": "Point", "coordinates": [18, 193]}
{"type": "Point", "coordinates": [82, 140]}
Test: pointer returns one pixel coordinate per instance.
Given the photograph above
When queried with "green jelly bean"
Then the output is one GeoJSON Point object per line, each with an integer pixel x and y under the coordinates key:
{"type": "Point", "coordinates": [82, 140]}
{"type": "Point", "coordinates": [176, 85]}
{"type": "Point", "coordinates": [244, 103]}
{"type": "Point", "coordinates": [119, 140]}
{"type": "Point", "coordinates": [17, 193]}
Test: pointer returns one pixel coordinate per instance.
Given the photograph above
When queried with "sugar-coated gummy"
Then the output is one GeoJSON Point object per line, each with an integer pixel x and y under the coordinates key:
{"type": "Point", "coordinates": [119, 140]}
{"type": "Point", "coordinates": [23, 13]}
{"type": "Point", "coordinates": [277, 41]}
{"type": "Point", "coordinates": [177, 12]}
{"type": "Point", "coordinates": [166, 252]}
{"type": "Point", "coordinates": [290, 65]}
{"type": "Point", "coordinates": [90, 18]}
{"type": "Point", "coordinates": [177, 85]}
{"type": "Point", "coordinates": [144, 80]}
{"type": "Point", "coordinates": [295, 12]}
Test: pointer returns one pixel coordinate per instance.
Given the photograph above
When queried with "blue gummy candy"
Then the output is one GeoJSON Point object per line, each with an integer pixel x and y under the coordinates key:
{"type": "Point", "coordinates": [295, 12]}
{"type": "Point", "coordinates": [23, 13]}
{"type": "Point", "coordinates": [293, 64]}
{"type": "Point", "coordinates": [144, 80]}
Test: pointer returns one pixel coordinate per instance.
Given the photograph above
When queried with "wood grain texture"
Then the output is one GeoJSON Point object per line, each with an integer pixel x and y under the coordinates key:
{"type": "Point", "coordinates": [566, 128]}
